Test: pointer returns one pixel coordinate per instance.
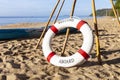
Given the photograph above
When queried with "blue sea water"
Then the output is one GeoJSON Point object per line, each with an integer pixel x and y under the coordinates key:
{"type": "Point", "coordinates": [30, 19]}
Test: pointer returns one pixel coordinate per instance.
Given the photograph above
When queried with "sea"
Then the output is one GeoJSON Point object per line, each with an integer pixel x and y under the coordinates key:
{"type": "Point", "coordinates": [5, 20]}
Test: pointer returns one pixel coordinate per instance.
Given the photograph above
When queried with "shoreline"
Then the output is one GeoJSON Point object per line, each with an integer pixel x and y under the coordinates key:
{"type": "Point", "coordinates": [24, 25]}
{"type": "Point", "coordinates": [37, 24]}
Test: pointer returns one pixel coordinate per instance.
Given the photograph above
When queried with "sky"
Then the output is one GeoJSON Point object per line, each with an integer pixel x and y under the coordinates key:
{"type": "Point", "coordinates": [44, 7]}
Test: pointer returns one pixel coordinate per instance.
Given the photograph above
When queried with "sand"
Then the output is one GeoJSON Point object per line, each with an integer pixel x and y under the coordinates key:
{"type": "Point", "coordinates": [19, 60]}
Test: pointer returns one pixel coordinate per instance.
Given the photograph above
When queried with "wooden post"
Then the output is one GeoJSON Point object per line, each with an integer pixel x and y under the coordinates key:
{"type": "Point", "coordinates": [68, 29]}
{"type": "Point", "coordinates": [96, 32]}
{"type": "Point", "coordinates": [47, 24]}
{"type": "Point", "coordinates": [115, 12]}
{"type": "Point", "coordinates": [59, 11]}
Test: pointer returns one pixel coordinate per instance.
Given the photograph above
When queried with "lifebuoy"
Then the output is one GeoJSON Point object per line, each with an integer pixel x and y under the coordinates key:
{"type": "Point", "coordinates": [81, 55]}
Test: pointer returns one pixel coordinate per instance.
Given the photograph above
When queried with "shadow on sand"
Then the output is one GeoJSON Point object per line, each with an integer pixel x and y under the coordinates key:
{"type": "Point", "coordinates": [104, 54]}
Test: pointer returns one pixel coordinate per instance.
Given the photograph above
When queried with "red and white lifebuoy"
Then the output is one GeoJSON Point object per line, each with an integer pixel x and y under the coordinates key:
{"type": "Point", "coordinates": [81, 55]}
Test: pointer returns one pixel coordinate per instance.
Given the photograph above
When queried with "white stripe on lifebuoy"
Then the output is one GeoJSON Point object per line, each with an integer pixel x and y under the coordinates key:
{"type": "Point", "coordinates": [81, 55]}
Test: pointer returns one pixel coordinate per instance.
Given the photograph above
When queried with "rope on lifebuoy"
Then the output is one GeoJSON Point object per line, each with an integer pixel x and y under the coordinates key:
{"type": "Point", "coordinates": [81, 55]}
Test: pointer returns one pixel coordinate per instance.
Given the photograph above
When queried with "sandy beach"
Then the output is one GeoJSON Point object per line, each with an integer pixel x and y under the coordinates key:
{"type": "Point", "coordinates": [19, 60]}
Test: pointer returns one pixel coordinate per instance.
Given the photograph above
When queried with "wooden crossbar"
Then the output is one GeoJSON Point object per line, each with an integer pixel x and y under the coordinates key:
{"type": "Point", "coordinates": [47, 23]}
{"type": "Point", "coordinates": [115, 12]}
{"type": "Point", "coordinates": [59, 11]}
{"type": "Point", "coordinates": [68, 29]}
